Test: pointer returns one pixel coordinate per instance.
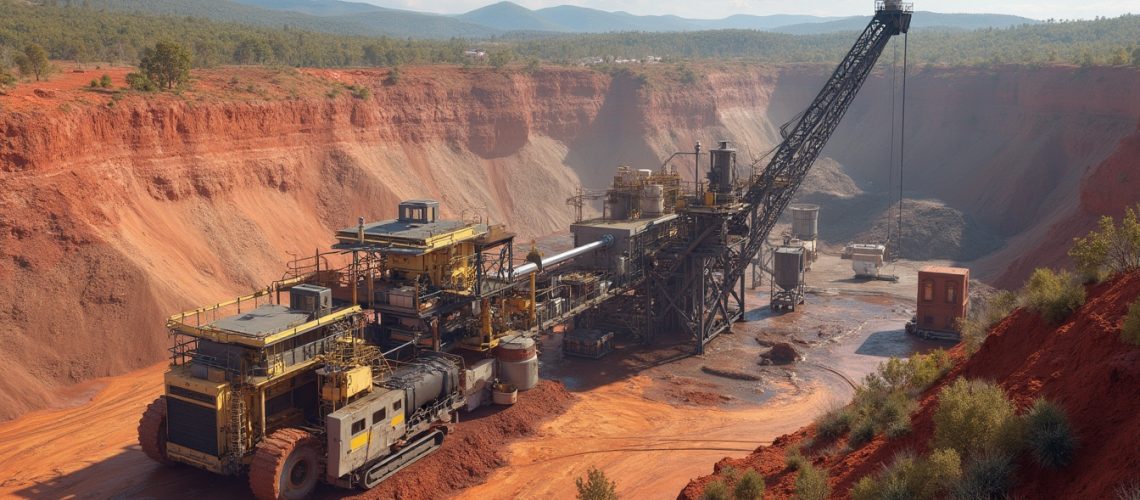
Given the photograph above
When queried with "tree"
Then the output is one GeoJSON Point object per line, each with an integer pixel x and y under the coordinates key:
{"type": "Point", "coordinates": [166, 64]}
{"type": "Point", "coordinates": [1136, 56]}
{"type": "Point", "coordinates": [596, 486]}
{"type": "Point", "coordinates": [1110, 251]}
{"type": "Point", "coordinates": [253, 51]}
{"type": "Point", "coordinates": [34, 62]}
{"type": "Point", "coordinates": [500, 58]}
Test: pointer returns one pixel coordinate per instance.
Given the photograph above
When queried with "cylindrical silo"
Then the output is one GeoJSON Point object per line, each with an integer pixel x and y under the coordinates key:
{"type": "Point", "coordinates": [805, 222]}
{"type": "Point", "coordinates": [518, 362]}
{"type": "Point", "coordinates": [653, 200]}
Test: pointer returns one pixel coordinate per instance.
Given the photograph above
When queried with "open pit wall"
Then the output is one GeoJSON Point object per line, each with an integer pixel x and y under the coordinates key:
{"type": "Point", "coordinates": [115, 213]}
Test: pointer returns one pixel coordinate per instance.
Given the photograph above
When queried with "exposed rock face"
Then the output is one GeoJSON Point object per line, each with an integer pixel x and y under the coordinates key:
{"type": "Point", "coordinates": [119, 210]}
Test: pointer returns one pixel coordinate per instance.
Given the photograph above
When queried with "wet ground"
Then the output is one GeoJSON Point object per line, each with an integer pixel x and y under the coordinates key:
{"type": "Point", "coordinates": [652, 417]}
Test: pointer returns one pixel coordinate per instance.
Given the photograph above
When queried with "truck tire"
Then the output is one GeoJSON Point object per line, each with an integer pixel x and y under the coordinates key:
{"type": "Point", "coordinates": [286, 465]}
{"type": "Point", "coordinates": [152, 431]}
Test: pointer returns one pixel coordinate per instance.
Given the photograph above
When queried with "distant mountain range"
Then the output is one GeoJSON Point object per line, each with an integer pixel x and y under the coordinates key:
{"type": "Point", "coordinates": [357, 18]}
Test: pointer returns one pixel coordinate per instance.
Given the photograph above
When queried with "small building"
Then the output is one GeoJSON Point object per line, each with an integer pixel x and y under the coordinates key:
{"type": "Point", "coordinates": [943, 299]}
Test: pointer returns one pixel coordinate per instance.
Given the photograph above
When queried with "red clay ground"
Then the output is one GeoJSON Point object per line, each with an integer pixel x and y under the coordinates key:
{"type": "Point", "coordinates": [1081, 365]}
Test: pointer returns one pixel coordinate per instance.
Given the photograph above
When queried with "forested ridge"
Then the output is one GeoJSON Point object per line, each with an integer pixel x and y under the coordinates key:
{"type": "Point", "coordinates": [85, 32]}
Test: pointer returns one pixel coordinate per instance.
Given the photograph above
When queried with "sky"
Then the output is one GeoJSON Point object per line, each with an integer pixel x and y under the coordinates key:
{"type": "Point", "coordinates": [716, 9]}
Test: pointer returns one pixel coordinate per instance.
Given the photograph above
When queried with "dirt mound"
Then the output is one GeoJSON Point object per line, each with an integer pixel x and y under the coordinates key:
{"type": "Point", "coordinates": [827, 178]}
{"type": "Point", "coordinates": [1082, 365]}
{"type": "Point", "coordinates": [781, 353]}
{"type": "Point", "coordinates": [475, 447]}
{"type": "Point", "coordinates": [933, 230]}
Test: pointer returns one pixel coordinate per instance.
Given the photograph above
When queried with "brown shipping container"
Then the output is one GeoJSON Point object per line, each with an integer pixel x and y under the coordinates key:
{"type": "Point", "coordinates": [943, 297]}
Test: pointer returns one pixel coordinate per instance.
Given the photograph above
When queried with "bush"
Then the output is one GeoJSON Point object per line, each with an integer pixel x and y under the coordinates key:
{"type": "Point", "coordinates": [139, 81]}
{"type": "Point", "coordinates": [1130, 332]}
{"type": "Point", "coordinates": [360, 92]}
{"type": "Point", "coordinates": [909, 477]}
{"type": "Point", "coordinates": [861, 434]}
{"type": "Point", "coordinates": [596, 486]}
{"type": "Point", "coordinates": [834, 423]}
{"type": "Point", "coordinates": [986, 477]}
{"type": "Point", "coordinates": [794, 460]}
{"type": "Point", "coordinates": [750, 487]}
{"type": "Point", "coordinates": [716, 490]}
{"type": "Point", "coordinates": [1049, 435]}
{"type": "Point", "coordinates": [975, 417]}
{"type": "Point", "coordinates": [6, 78]}
{"type": "Point", "coordinates": [1053, 295]}
{"type": "Point", "coordinates": [811, 484]}
{"type": "Point", "coordinates": [105, 81]}
{"type": "Point", "coordinates": [393, 76]}
{"type": "Point", "coordinates": [94, 84]}
{"type": "Point", "coordinates": [1112, 250]}
{"type": "Point", "coordinates": [984, 315]}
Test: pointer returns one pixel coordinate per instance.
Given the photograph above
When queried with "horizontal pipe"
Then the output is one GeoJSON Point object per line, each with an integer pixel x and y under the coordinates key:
{"type": "Point", "coordinates": [531, 267]}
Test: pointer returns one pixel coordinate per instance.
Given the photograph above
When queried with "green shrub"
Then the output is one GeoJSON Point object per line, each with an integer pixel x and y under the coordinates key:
{"type": "Point", "coordinates": [1130, 332]}
{"type": "Point", "coordinates": [986, 477]}
{"type": "Point", "coordinates": [861, 434]}
{"type": "Point", "coordinates": [139, 81]}
{"type": "Point", "coordinates": [835, 423]}
{"type": "Point", "coordinates": [811, 484]}
{"type": "Point", "coordinates": [984, 315]}
{"type": "Point", "coordinates": [1053, 295]}
{"type": "Point", "coordinates": [715, 490]}
{"type": "Point", "coordinates": [6, 78]}
{"type": "Point", "coordinates": [596, 486]}
{"type": "Point", "coordinates": [360, 92]}
{"type": "Point", "coordinates": [393, 76]}
{"type": "Point", "coordinates": [105, 81]}
{"type": "Point", "coordinates": [1112, 250]}
{"type": "Point", "coordinates": [750, 487]}
{"type": "Point", "coordinates": [975, 417]}
{"type": "Point", "coordinates": [1049, 435]}
{"type": "Point", "coordinates": [94, 84]}
{"type": "Point", "coordinates": [794, 459]}
{"type": "Point", "coordinates": [909, 477]}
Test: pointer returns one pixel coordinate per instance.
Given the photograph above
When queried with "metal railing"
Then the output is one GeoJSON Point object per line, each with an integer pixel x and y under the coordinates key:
{"type": "Point", "coordinates": [893, 5]}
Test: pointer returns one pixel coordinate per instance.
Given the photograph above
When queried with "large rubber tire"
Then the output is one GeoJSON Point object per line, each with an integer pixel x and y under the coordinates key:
{"type": "Point", "coordinates": [286, 465]}
{"type": "Point", "coordinates": [152, 431]}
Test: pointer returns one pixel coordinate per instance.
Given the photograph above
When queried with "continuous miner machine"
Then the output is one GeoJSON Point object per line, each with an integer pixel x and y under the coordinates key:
{"type": "Point", "coordinates": [357, 362]}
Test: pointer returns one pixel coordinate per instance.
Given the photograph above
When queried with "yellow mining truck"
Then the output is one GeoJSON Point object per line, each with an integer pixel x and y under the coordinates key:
{"type": "Point", "coordinates": [291, 394]}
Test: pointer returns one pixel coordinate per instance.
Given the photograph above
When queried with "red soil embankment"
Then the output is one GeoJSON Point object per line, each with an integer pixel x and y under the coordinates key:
{"type": "Point", "coordinates": [120, 208]}
{"type": "Point", "coordinates": [1082, 365]}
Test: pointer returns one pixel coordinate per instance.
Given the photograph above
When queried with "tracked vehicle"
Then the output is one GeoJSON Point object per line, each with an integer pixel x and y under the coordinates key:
{"type": "Point", "coordinates": [294, 395]}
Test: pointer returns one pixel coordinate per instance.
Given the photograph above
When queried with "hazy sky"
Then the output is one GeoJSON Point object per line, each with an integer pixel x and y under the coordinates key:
{"type": "Point", "coordinates": [715, 9]}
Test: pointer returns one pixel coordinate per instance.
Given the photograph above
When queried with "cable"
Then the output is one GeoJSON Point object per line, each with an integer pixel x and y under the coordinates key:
{"type": "Point", "coordinates": [902, 140]}
{"type": "Point", "coordinates": [894, 123]}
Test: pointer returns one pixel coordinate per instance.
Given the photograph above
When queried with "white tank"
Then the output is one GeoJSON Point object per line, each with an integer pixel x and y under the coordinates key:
{"type": "Point", "coordinates": [805, 221]}
{"type": "Point", "coordinates": [644, 173]}
{"type": "Point", "coordinates": [653, 200]}
{"type": "Point", "coordinates": [518, 363]}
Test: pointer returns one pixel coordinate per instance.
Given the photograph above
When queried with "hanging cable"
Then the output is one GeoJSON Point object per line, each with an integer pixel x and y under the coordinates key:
{"type": "Point", "coordinates": [891, 170]}
{"type": "Point", "coordinates": [902, 141]}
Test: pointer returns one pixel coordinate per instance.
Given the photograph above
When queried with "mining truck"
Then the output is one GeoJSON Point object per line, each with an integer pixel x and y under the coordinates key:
{"type": "Point", "coordinates": [292, 394]}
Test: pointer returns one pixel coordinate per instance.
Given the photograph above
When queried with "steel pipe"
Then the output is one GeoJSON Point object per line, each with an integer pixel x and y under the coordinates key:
{"type": "Point", "coordinates": [530, 267]}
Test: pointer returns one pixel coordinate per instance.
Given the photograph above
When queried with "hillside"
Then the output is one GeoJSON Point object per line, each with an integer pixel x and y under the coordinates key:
{"type": "Point", "coordinates": [922, 21]}
{"type": "Point", "coordinates": [203, 177]}
{"type": "Point", "coordinates": [1081, 365]}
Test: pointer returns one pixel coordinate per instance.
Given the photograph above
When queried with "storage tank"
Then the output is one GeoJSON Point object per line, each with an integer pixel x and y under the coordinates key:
{"type": "Point", "coordinates": [789, 265]}
{"type": "Point", "coordinates": [619, 206]}
{"type": "Point", "coordinates": [805, 222]}
{"type": "Point", "coordinates": [518, 362]}
{"type": "Point", "coordinates": [653, 201]}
